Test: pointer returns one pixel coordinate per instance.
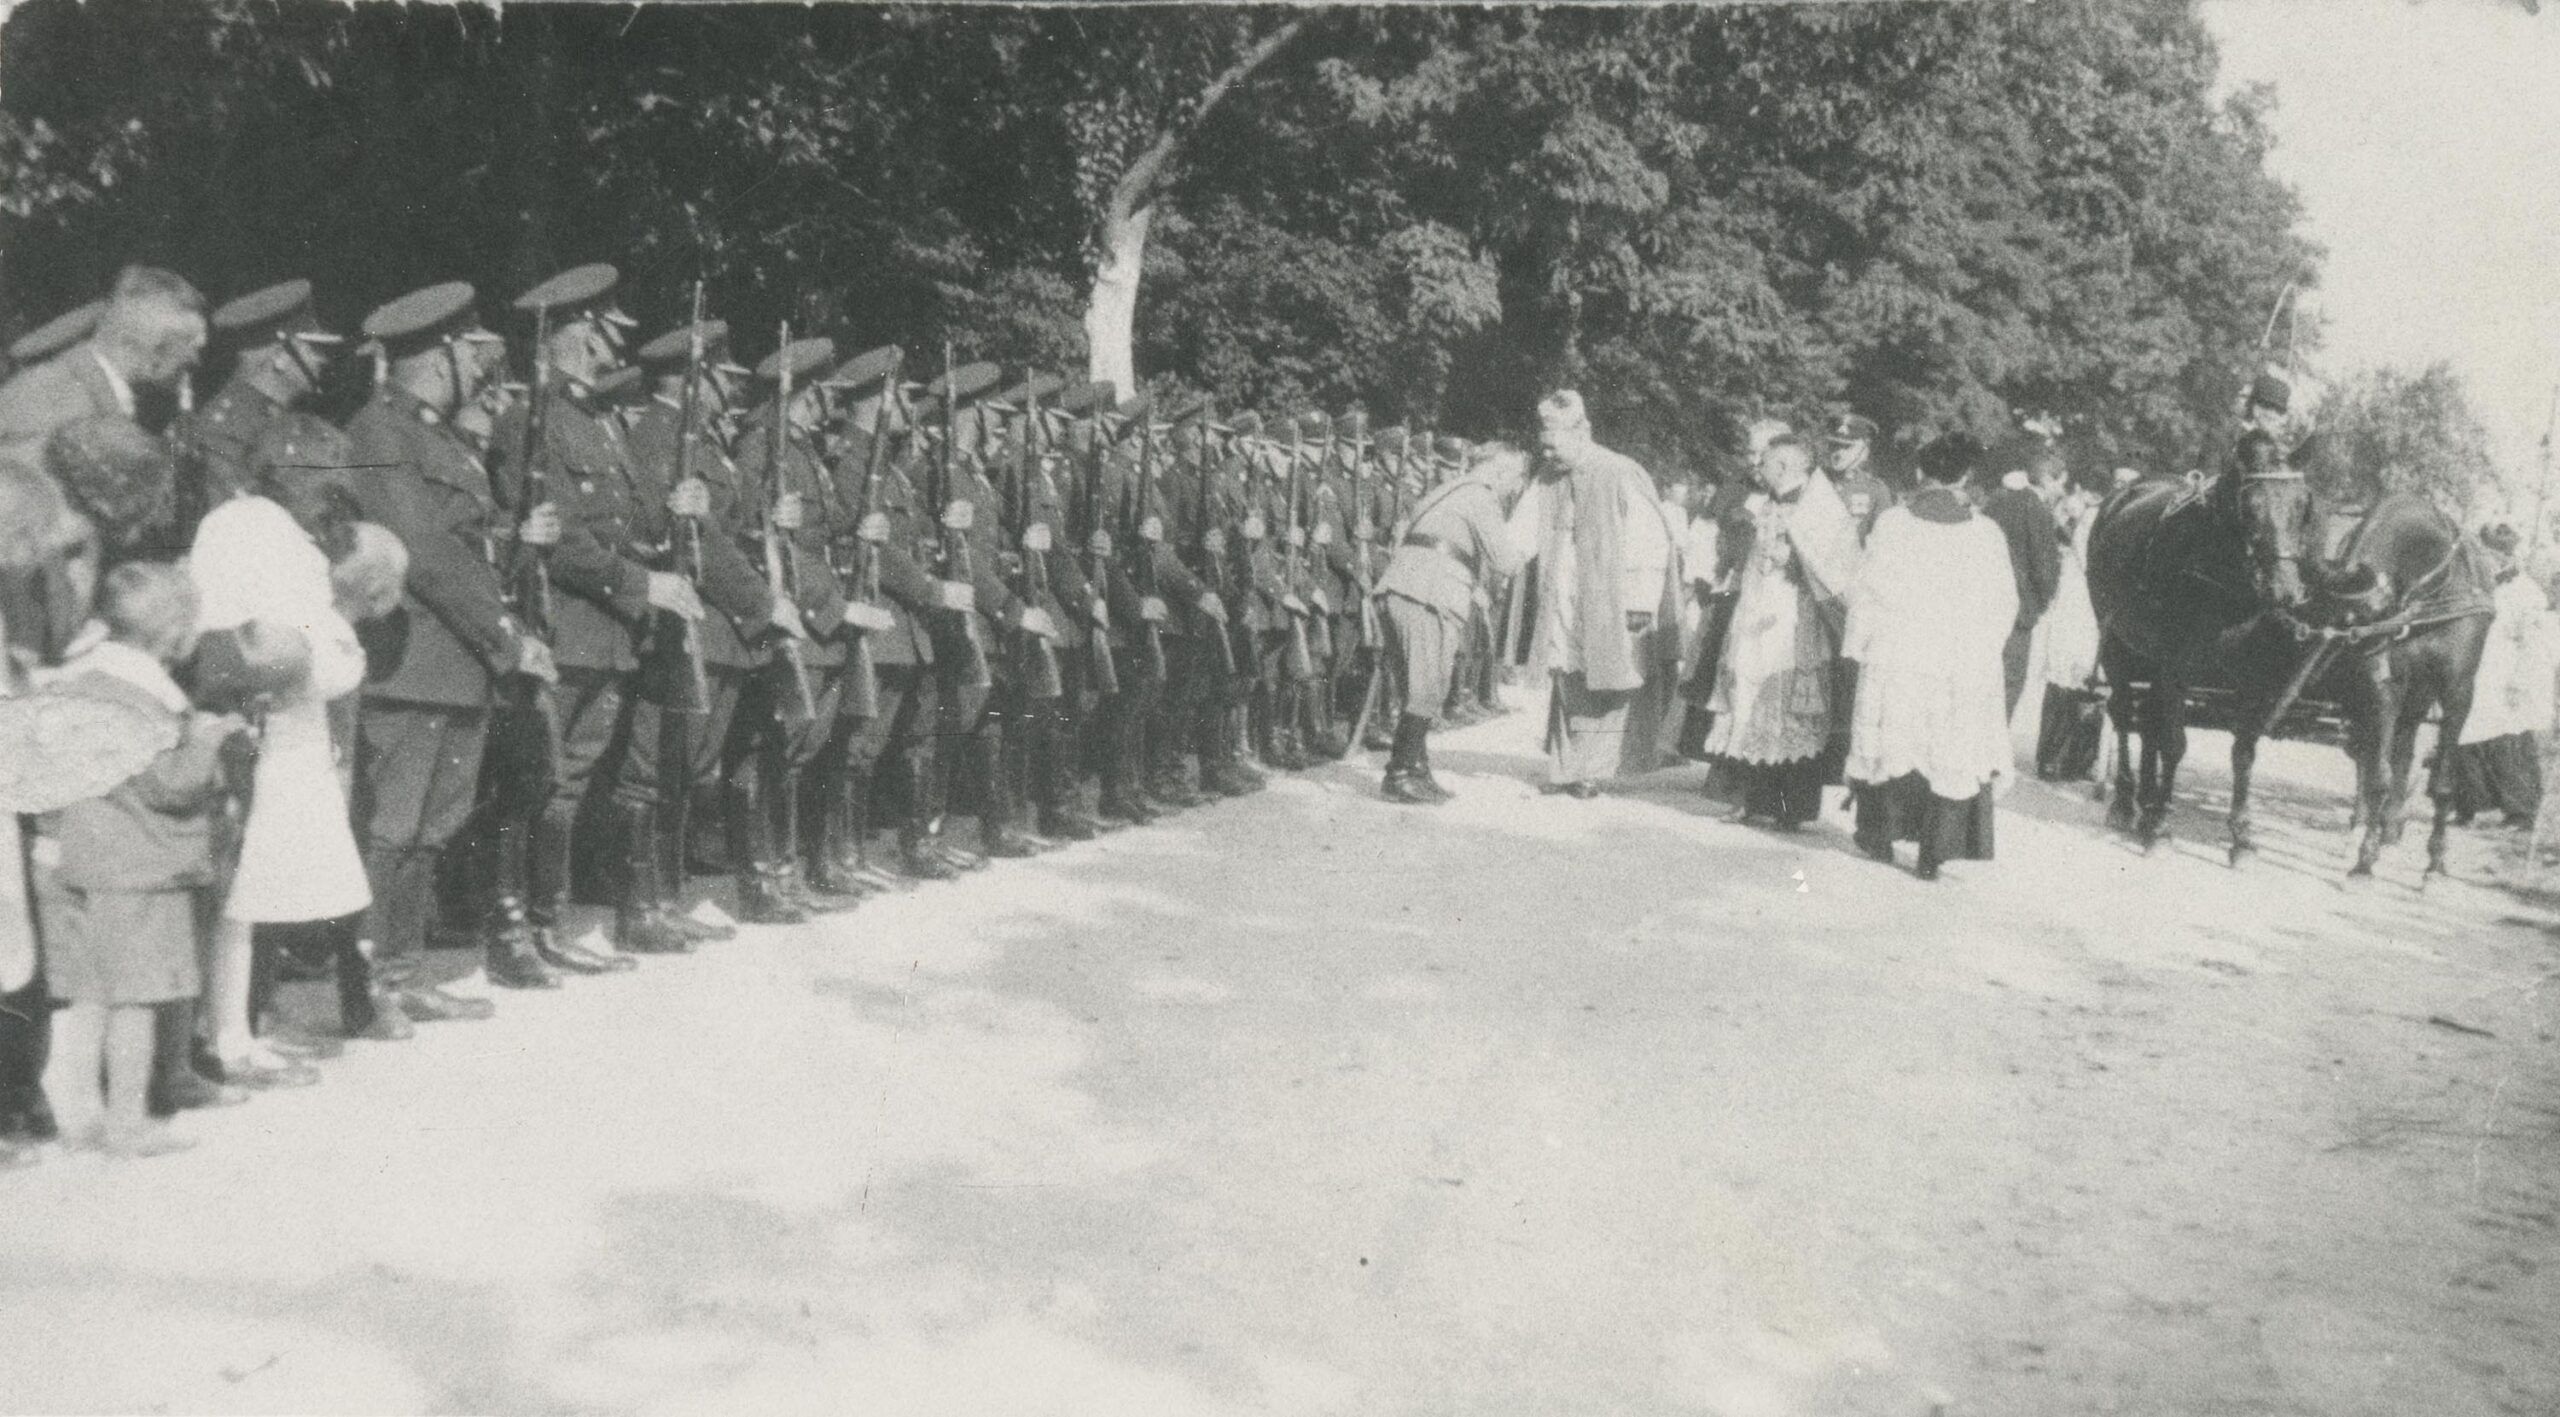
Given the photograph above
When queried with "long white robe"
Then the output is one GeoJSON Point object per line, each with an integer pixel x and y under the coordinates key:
{"type": "Point", "coordinates": [1928, 615]}
{"type": "Point", "coordinates": [1773, 694]}
{"type": "Point", "coordinates": [2511, 693]}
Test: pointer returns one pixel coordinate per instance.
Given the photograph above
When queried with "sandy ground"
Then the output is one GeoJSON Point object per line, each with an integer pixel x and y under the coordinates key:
{"type": "Point", "coordinates": [1309, 1104]}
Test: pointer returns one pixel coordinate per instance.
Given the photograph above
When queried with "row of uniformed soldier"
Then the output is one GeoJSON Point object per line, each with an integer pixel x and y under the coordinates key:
{"type": "Point", "coordinates": [650, 589]}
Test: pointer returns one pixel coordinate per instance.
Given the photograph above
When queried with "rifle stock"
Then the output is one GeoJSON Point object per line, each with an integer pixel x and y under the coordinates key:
{"type": "Point", "coordinates": [697, 671]}
{"type": "Point", "coordinates": [956, 561]}
{"type": "Point", "coordinates": [1041, 677]}
{"type": "Point", "coordinates": [781, 567]}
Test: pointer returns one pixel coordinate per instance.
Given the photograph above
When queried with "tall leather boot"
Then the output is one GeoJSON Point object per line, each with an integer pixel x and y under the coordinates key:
{"type": "Point", "coordinates": [853, 802]}
{"type": "Point", "coordinates": [950, 764]}
{"type": "Point", "coordinates": [1222, 768]}
{"type": "Point", "coordinates": [1000, 831]}
{"type": "Point", "coordinates": [509, 934]}
{"type": "Point", "coordinates": [1121, 799]}
{"type": "Point", "coordinates": [1053, 765]}
{"type": "Point", "coordinates": [1323, 741]}
{"type": "Point", "coordinates": [761, 901]}
{"type": "Point", "coordinates": [674, 832]}
{"type": "Point", "coordinates": [1168, 782]}
{"type": "Point", "coordinates": [824, 826]}
{"type": "Point", "coordinates": [918, 851]}
{"type": "Point", "coordinates": [788, 864]}
{"type": "Point", "coordinates": [641, 925]}
{"type": "Point", "coordinates": [365, 1009]}
{"type": "Point", "coordinates": [1288, 751]}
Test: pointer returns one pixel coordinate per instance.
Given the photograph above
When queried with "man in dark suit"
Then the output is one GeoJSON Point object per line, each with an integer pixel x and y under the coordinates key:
{"type": "Point", "coordinates": [2035, 555]}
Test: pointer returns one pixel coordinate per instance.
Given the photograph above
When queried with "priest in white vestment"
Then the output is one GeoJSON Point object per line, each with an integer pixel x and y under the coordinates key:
{"type": "Point", "coordinates": [1607, 634]}
{"type": "Point", "coordinates": [2498, 764]}
{"type": "Point", "coordinates": [1775, 691]}
{"type": "Point", "coordinates": [1928, 617]}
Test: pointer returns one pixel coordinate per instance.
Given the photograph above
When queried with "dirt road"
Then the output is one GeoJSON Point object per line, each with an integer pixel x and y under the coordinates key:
{"type": "Point", "coordinates": [1307, 1104]}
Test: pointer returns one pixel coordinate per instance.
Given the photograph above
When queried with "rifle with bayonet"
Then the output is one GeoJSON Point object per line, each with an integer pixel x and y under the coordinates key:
{"type": "Point", "coordinates": [1215, 561]}
{"type": "Point", "coordinates": [862, 675]}
{"type": "Point", "coordinates": [1298, 663]}
{"type": "Point", "coordinates": [1036, 657]}
{"type": "Point", "coordinates": [781, 558]}
{"type": "Point", "coordinates": [1102, 668]}
{"type": "Point", "coordinates": [697, 672]}
{"type": "Point", "coordinates": [1143, 546]}
{"type": "Point", "coordinates": [957, 565]}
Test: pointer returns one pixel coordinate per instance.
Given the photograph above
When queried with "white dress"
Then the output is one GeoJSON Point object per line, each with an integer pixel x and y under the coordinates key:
{"type": "Point", "coordinates": [2511, 692]}
{"type": "Point", "coordinates": [1933, 604]}
{"type": "Point", "coordinates": [298, 857]}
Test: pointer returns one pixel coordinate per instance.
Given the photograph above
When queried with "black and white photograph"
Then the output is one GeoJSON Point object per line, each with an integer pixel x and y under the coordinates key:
{"type": "Point", "coordinates": [1749, 708]}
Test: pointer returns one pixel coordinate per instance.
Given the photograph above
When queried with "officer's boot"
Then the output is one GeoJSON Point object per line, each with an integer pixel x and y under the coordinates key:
{"type": "Point", "coordinates": [641, 923]}
{"type": "Point", "coordinates": [760, 899]}
{"type": "Point", "coordinates": [1121, 799]}
{"type": "Point", "coordinates": [853, 801]}
{"type": "Point", "coordinates": [366, 1009]}
{"type": "Point", "coordinates": [1053, 764]}
{"type": "Point", "coordinates": [551, 944]}
{"type": "Point", "coordinates": [815, 896]}
{"type": "Point", "coordinates": [1404, 765]}
{"type": "Point", "coordinates": [1168, 782]}
{"type": "Point", "coordinates": [1281, 713]}
{"type": "Point", "coordinates": [672, 835]}
{"type": "Point", "coordinates": [1324, 739]}
{"type": "Point", "coordinates": [512, 936]}
{"type": "Point", "coordinates": [918, 850]}
{"type": "Point", "coordinates": [1000, 831]}
{"type": "Point", "coordinates": [949, 767]}
{"type": "Point", "coordinates": [1222, 768]}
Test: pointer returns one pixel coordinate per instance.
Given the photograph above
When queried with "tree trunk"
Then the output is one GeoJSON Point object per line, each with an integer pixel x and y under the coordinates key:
{"type": "Point", "coordinates": [1111, 310]}
{"type": "Point", "coordinates": [1111, 316]}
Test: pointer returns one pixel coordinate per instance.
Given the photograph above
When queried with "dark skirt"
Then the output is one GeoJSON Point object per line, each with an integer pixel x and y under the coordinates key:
{"type": "Point", "coordinates": [2069, 736]}
{"type": "Point", "coordinates": [2503, 774]}
{"type": "Point", "coordinates": [1789, 794]}
{"type": "Point", "coordinates": [1906, 810]}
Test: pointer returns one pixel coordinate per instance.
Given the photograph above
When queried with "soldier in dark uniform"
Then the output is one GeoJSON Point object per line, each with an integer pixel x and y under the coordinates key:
{"type": "Point", "coordinates": [55, 335]}
{"type": "Point", "coordinates": [1853, 472]}
{"type": "Point", "coordinates": [1211, 671]}
{"type": "Point", "coordinates": [1152, 583]}
{"type": "Point", "coordinates": [281, 355]}
{"type": "Point", "coordinates": [1053, 580]}
{"type": "Point", "coordinates": [1246, 579]}
{"type": "Point", "coordinates": [678, 717]}
{"type": "Point", "coordinates": [877, 522]}
{"type": "Point", "coordinates": [787, 713]}
{"type": "Point", "coordinates": [611, 595]}
{"type": "Point", "coordinates": [434, 663]}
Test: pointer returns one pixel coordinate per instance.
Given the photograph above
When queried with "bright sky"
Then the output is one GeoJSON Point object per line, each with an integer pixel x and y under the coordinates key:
{"type": "Point", "coordinates": [2424, 139]}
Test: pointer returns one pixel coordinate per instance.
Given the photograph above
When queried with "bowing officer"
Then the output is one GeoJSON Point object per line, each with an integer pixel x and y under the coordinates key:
{"type": "Point", "coordinates": [281, 355]}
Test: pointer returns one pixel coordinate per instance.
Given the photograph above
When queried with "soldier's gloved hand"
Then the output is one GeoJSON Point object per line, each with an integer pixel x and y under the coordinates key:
{"type": "Point", "coordinates": [1213, 607]}
{"type": "Point", "coordinates": [1152, 611]}
{"type": "Point", "coordinates": [874, 528]}
{"type": "Point", "coordinates": [959, 595]}
{"type": "Point", "coordinates": [1639, 621]}
{"type": "Point", "coordinates": [533, 660]}
{"type": "Point", "coordinates": [786, 617]}
{"type": "Point", "coordinates": [1320, 602]}
{"type": "Point", "coordinates": [867, 617]}
{"type": "Point", "coordinates": [541, 526]}
{"type": "Point", "coordinates": [1035, 537]}
{"type": "Point", "coordinates": [1036, 621]}
{"type": "Point", "coordinates": [692, 498]}
{"type": "Point", "coordinates": [1291, 603]}
{"type": "Point", "coordinates": [789, 512]}
{"type": "Point", "coordinates": [674, 594]}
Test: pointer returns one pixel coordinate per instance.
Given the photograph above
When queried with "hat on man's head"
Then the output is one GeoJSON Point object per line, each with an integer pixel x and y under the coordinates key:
{"type": "Point", "coordinates": [2271, 390]}
{"type": "Point", "coordinates": [1562, 411]}
{"type": "Point", "coordinates": [1247, 424]}
{"type": "Point", "coordinates": [865, 369]}
{"type": "Point", "coordinates": [1389, 440]}
{"type": "Point", "coordinates": [964, 385]}
{"type": "Point", "coordinates": [669, 351]}
{"type": "Point", "coordinates": [1853, 428]}
{"type": "Point", "coordinates": [57, 334]}
{"type": "Point", "coordinates": [280, 311]}
{"type": "Point", "coordinates": [1353, 424]}
{"type": "Point", "coordinates": [1083, 396]}
{"type": "Point", "coordinates": [425, 317]}
{"type": "Point", "coordinates": [1039, 387]}
{"type": "Point", "coordinates": [1449, 447]}
{"type": "Point", "coordinates": [617, 385]}
{"type": "Point", "coordinates": [804, 357]}
{"type": "Point", "coordinates": [1189, 413]}
{"type": "Point", "coordinates": [579, 290]}
{"type": "Point", "coordinates": [1313, 424]}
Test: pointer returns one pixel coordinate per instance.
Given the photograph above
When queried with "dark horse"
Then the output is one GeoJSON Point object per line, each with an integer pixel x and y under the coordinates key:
{"type": "Point", "coordinates": [2222, 588]}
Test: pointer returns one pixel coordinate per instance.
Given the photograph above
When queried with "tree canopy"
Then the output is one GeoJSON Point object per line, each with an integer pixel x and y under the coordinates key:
{"type": "Point", "coordinates": [1941, 215]}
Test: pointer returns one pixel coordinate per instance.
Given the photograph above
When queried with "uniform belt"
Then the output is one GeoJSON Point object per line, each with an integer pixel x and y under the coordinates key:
{"type": "Point", "coordinates": [1444, 546]}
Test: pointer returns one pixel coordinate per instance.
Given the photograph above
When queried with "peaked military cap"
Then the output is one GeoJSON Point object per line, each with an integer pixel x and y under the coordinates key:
{"type": "Point", "coordinates": [1043, 387]}
{"type": "Point", "coordinates": [1085, 395]}
{"type": "Point", "coordinates": [279, 310]}
{"type": "Point", "coordinates": [2271, 390]}
{"type": "Point", "coordinates": [1312, 424]}
{"type": "Point", "coordinates": [673, 347]}
{"type": "Point", "coordinates": [867, 368]}
{"type": "Point", "coordinates": [57, 334]}
{"type": "Point", "coordinates": [1247, 424]}
{"type": "Point", "coordinates": [1352, 424]}
{"type": "Point", "coordinates": [1189, 413]}
{"type": "Point", "coordinates": [964, 384]}
{"type": "Point", "coordinates": [806, 357]}
{"type": "Point", "coordinates": [424, 316]}
{"type": "Point", "coordinates": [1853, 428]}
{"type": "Point", "coordinates": [1449, 448]}
{"type": "Point", "coordinates": [576, 291]}
{"type": "Point", "coordinates": [617, 385]}
{"type": "Point", "coordinates": [1389, 439]}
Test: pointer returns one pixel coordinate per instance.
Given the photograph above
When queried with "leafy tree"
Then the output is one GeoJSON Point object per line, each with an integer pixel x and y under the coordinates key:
{"type": "Point", "coordinates": [2394, 431]}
